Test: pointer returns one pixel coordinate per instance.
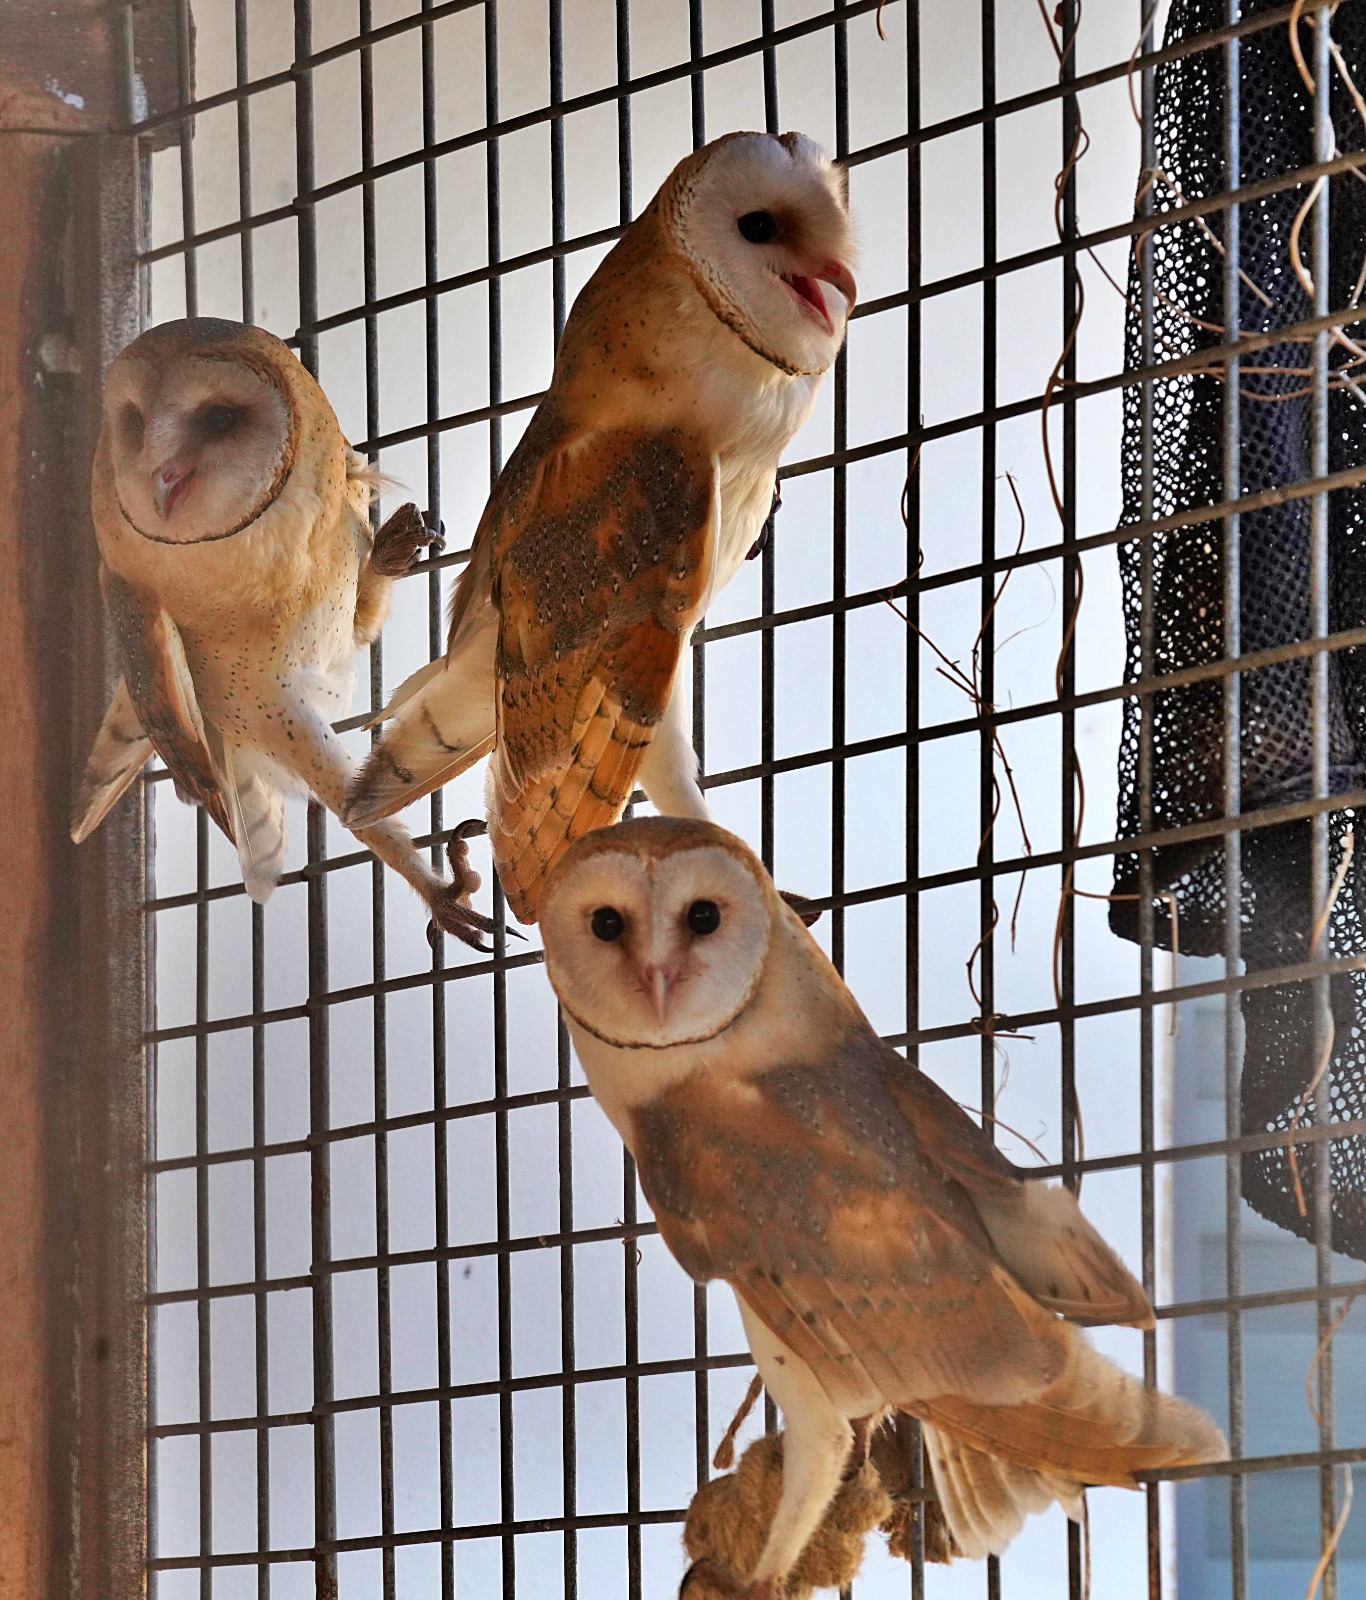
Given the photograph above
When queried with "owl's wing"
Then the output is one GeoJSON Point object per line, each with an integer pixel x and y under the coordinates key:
{"type": "Point", "coordinates": [1037, 1229]}
{"type": "Point", "coordinates": [160, 687]}
{"type": "Point", "coordinates": [119, 753]}
{"type": "Point", "coordinates": [599, 571]}
{"type": "Point", "coordinates": [877, 1230]}
{"type": "Point", "coordinates": [811, 1195]}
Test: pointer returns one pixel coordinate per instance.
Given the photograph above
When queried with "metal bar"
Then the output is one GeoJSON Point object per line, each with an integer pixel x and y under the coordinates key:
{"type": "Point", "coordinates": [1233, 800]}
{"type": "Point", "coordinates": [697, 66]}
{"type": "Point", "coordinates": [1208, 357]}
{"type": "Point", "coordinates": [989, 798]}
{"type": "Point", "coordinates": [839, 560]}
{"type": "Point", "coordinates": [565, 1094]}
{"type": "Point", "coordinates": [1057, 251]}
{"type": "Point", "coordinates": [379, 1022]}
{"type": "Point", "coordinates": [319, 1021]}
{"type": "Point", "coordinates": [702, 1454]}
{"type": "Point", "coordinates": [1185, 1152]}
{"type": "Point", "coordinates": [1320, 849]}
{"type": "Point", "coordinates": [502, 1158]}
{"type": "Point", "coordinates": [436, 808]}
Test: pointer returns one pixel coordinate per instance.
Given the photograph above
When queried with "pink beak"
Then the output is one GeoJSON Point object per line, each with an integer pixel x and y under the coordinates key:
{"type": "Point", "coordinates": [169, 483]}
{"type": "Point", "coordinates": [808, 289]}
{"type": "Point", "coordinates": [658, 982]}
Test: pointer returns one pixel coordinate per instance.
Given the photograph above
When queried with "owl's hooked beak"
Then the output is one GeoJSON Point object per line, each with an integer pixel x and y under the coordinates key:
{"type": "Point", "coordinates": [808, 290]}
{"type": "Point", "coordinates": [169, 483]}
{"type": "Point", "coordinates": [658, 981]}
{"type": "Point", "coordinates": [839, 276]}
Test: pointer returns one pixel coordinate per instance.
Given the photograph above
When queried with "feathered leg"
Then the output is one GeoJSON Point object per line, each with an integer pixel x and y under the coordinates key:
{"type": "Point", "coordinates": [816, 1445]}
{"type": "Point", "coordinates": [668, 772]}
{"type": "Point", "coordinates": [257, 809]}
{"type": "Point", "coordinates": [304, 743]}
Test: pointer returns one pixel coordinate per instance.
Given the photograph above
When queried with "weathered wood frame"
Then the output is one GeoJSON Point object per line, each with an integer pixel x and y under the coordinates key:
{"type": "Point", "coordinates": [73, 942]}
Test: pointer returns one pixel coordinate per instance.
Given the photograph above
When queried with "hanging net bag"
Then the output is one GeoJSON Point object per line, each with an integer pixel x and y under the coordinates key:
{"type": "Point", "coordinates": [1186, 472]}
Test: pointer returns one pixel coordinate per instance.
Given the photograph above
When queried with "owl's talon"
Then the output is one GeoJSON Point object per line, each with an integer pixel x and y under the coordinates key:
{"type": "Point", "coordinates": [807, 910]}
{"type": "Point", "coordinates": [450, 904]}
{"type": "Point", "coordinates": [402, 539]}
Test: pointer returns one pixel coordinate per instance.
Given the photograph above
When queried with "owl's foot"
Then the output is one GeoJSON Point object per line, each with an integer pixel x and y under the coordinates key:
{"type": "Point", "coordinates": [450, 904]}
{"type": "Point", "coordinates": [402, 539]}
{"type": "Point", "coordinates": [809, 913]}
{"type": "Point", "coordinates": [709, 1580]}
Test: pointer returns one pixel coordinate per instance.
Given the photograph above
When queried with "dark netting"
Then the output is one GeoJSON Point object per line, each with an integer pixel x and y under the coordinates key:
{"type": "Point", "coordinates": [1276, 136]}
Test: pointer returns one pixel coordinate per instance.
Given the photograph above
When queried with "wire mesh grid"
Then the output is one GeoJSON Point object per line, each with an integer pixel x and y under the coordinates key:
{"type": "Point", "coordinates": [411, 1328]}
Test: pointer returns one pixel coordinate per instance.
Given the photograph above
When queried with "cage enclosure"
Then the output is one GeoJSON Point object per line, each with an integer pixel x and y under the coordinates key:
{"type": "Point", "coordinates": [1043, 687]}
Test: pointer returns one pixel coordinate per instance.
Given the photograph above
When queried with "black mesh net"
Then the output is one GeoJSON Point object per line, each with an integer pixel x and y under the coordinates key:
{"type": "Point", "coordinates": [1186, 471]}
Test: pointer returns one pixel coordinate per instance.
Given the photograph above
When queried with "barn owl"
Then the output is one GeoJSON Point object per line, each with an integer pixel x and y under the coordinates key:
{"type": "Point", "coordinates": [884, 1254]}
{"type": "Point", "coordinates": [240, 573]}
{"type": "Point", "coordinates": [689, 360]}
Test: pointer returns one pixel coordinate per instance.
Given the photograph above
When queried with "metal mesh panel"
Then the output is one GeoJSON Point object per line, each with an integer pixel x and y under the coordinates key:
{"type": "Point", "coordinates": [412, 1329]}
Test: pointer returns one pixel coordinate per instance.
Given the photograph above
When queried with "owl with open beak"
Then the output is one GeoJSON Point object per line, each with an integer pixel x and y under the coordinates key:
{"type": "Point", "coordinates": [240, 572]}
{"type": "Point", "coordinates": [885, 1255]}
{"type": "Point", "coordinates": [689, 360]}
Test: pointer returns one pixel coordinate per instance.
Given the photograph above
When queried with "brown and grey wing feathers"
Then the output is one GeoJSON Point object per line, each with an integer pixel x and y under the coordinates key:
{"type": "Point", "coordinates": [596, 587]}
{"type": "Point", "coordinates": [1037, 1229]}
{"type": "Point", "coordinates": [816, 1200]}
{"type": "Point", "coordinates": [120, 752]}
{"type": "Point", "coordinates": [1094, 1422]}
{"type": "Point", "coordinates": [160, 686]}
{"type": "Point", "coordinates": [854, 1252]}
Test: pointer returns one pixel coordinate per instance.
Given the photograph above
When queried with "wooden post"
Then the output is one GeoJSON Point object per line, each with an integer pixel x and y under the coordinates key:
{"type": "Point", "coordinates": [72, 1083]}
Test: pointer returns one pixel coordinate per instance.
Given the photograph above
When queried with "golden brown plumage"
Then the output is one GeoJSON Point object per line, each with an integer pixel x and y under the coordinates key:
{"type": "Point", "coordinates": [240, 574]}
{"type": "Point", "coordinates": [883, 1252]}
{"type": "Point", "coordinates": [690, 358]}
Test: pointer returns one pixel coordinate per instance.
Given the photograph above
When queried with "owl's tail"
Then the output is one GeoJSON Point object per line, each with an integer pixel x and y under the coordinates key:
{"type": "Point", "coordinates": [442, 723]}
{"type": "Point", "coordinates": [120, 752]}
{"type": "Point", "coordinates": [986, 1499]}
{"type": "Point", "coordinates": [257, 807]}
{"type": "Point", "coordinates": [994, 1465]}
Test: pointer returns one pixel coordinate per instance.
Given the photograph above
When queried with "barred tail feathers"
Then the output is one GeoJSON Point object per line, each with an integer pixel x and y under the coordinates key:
{"type": "Point", "coordinates": [443, 722]}
{"type": "Point", "coordinates": [1095, 1423]}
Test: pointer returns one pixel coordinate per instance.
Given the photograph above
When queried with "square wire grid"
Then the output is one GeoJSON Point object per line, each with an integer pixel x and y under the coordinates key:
{"type": "Point", "coordinates": [376, 1368]}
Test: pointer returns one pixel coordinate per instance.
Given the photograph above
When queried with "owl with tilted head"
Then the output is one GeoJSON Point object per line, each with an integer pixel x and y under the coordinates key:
{"type": "Point", "coordinates": [241, 574]}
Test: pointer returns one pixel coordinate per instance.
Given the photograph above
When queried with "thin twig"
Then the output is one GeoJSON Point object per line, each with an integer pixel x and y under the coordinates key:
{"type": "Point", "coordinates": [1348, 842]}
{"type": "Point", "coordinates": [724, 1459]}
{"type": "Point", "coordinates": [1339, 1528]}
{"type": "Point", "coordinates": [1158, 894]}
{"type": "Point", "coordinates": [997, 1122]}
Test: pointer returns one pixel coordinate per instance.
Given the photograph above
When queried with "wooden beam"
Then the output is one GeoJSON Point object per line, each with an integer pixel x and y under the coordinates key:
{"type": "Point", "coordinates": [27, 889]}
{"type": "Point", "coordinates": [84, 66]}
{"type": "Point", "coordinates": [72, 1074]}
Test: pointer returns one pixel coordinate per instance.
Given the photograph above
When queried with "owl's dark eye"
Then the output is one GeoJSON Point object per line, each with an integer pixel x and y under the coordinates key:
{"type": "Point", "coordinates": [132, 426]}
{"type": "Point", "coordinates": [607, 924]}
{"type": "Point", "coordinates": [758, 226]}
{"type": "Point", "coordinates": [704, 917]}
{"type": "Point", "coordinates": [219, 421]}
